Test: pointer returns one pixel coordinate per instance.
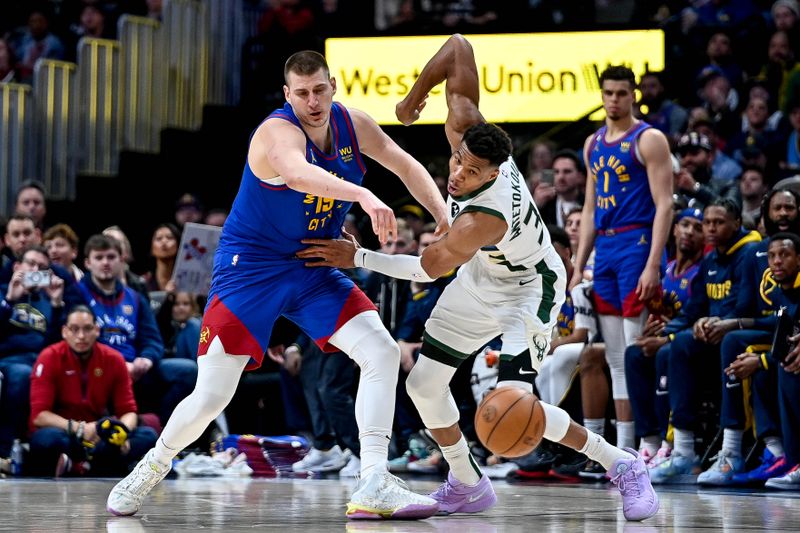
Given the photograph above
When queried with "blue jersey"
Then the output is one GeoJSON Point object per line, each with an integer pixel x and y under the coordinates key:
{"type": "Point", "coordinates": [566, 317]}
{"type": "Point", "coordinates": [622, 192]}
{"type": "Point", "coordinates": [268, 219]}
{"type": "Point", "coordinates": [676, 289]}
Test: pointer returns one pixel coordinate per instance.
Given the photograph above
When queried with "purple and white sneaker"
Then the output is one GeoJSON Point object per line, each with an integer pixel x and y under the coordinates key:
{"type": "Point", "coordinates": [456, 497]}
{"type": "Point", "coordinates": [639, 500]}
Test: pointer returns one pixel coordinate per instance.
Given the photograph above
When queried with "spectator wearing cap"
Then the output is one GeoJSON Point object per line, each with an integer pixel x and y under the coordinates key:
{"type": "Point", "coordinates": [724, 168]}
{"type": "Point", "coordinates": [658, 110]}
{"type": "Point", "coordinates": [785, 14]}
{"type": "Point", "coordinates": [695, 180]}
{"type": "Point", "coordinates": [647, 361]}
{"type": "Point", "coordinates": [569, 182]}
{"type": "Point", "coordinates": [720, 100]}
{"type": "Point", "coordinates": [188, 209]}
{"type": "Point", "coordinates": [414, 217]}
{"type": "Point", "coordinates": [752, 188]}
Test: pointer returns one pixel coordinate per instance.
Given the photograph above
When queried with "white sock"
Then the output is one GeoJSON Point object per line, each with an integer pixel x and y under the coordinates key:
{"type": "Point", "coordinates": [684, 443]}
{"type": "Point", "coordinates": [732, 441]}
{"type": "Point", "coordinates": [595, 425]}
{"type": "Point", "coordinates": [626, 435]}
{"type": "Point", "coordinates": [373, 453]}
{"type": "Point", "coordinates": [462, 464]}
{"type": "Point", "coordinates": [775, 446]}
{"type": "Point", "coordinates": [597, 449]}
{"type": "Point", "coordinates": [163, 453]}
{"type": "Point", "coordinates": [650, 443]}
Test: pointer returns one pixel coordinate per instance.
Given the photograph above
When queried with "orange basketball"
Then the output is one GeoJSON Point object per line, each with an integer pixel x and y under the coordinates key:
{"type": "Point", "coordinates": [510, 422]}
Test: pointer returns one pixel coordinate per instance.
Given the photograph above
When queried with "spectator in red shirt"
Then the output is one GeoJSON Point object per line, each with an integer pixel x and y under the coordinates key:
{"type": "Point", "coordinates": [83, 414]}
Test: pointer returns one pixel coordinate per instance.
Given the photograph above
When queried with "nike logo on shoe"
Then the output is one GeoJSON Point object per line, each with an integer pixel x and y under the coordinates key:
{"type": "Point", "coordinates": [477, 497]}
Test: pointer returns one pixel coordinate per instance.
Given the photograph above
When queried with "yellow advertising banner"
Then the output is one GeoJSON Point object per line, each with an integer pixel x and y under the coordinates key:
{"type": "Point", "coordinates": [542, 77]}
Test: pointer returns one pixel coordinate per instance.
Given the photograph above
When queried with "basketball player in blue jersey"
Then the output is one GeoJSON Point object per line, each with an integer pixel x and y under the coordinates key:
{"type": "Point", "coordinates": [511, 282]}
{"type": "Point", "coordinates": [303, 171]}
{"type": "Point", "coordinates": [626, 218]}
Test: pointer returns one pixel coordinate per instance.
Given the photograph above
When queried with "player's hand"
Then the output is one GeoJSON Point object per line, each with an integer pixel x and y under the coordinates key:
{"type": "Point", "coordinates": [577, 277]}
{"type": "Point", "coordinates": [408, 113]}
{"type": "Point", "coordinates": [654, 326]}
{"type": "Point", "coordinates": [792, 361]}
{"type": "Point", "coordinates": [698, 330]}
{"type": "Point", "coordinates": [717, 329]}
{"type": "Point", "coordinates": [685, 181]}
{"type": "Point", "coordinates": [649, 285]}
{"type": "Point", "coordinates": [293, 360]}
{"type": "Point", "coordinates": [337, 253]}
{"type": "Point", "coordinates": [384, 224]}
{"type": "Point", "coordinates": [650, 345]}
{"type": "Point", "coordinates": [745, 365]}
{"type": "Point", "coordinates": [276, 353]}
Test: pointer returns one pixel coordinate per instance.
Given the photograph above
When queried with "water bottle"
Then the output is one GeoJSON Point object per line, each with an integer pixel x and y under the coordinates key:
{"type": "Point", "coordinates": [16, 458]}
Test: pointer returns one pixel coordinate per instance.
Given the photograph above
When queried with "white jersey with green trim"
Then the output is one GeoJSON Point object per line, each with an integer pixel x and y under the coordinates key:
{"type": "Point", "coordinates": [525, 243]}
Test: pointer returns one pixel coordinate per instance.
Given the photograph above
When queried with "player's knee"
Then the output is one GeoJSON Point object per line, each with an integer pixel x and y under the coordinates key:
{"type": "Point", "coordinates": [422, 388]}
{"type": "Point", "coordinates": [592, 359]}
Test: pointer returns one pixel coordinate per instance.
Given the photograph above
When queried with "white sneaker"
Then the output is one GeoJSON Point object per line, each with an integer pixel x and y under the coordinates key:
{"type": "Point", "coordinates": [499, 470]}
{"type": "Point", "coordinates": [382, 495]}
{"type": "Point", "coordinates": [790, 481]}
{"type": "Point", "coordinates": [127, 495]}
{"type": "Point", "coordinates": [316, 460]}
{"type": "Point", "coordinates": [352, 468]}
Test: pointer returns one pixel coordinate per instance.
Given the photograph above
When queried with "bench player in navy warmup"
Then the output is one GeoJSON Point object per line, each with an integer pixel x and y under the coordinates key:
{"type": "Point", "coordinates": [304, 169]}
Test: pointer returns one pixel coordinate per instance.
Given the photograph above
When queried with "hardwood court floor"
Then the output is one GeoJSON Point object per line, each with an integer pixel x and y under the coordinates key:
{"type": "Point", "coordinates": [306, 506]}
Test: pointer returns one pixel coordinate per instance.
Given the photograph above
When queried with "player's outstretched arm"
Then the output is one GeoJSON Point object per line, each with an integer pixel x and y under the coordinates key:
{"type": "Point", "coordinates": [455, 64]}
{"type": "Point", "coordinates": [374, 142]}
{"type": "Point", "coordinates": [469, 233]}
{"type": "Point", "coordinates": [278, 149]}
{"type": "Point", "coordinates": [654, 148]}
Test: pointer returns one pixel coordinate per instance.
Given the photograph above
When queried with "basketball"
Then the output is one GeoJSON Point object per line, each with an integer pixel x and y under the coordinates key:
{"type": "Point", "coordinates": [510, 422]}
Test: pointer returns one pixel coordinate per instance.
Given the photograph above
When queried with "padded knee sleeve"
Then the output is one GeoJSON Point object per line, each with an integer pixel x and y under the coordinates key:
{"type": "Point", "coordinates": [556, 422]}
{"type": "Point", "coordinates": [428, 386]}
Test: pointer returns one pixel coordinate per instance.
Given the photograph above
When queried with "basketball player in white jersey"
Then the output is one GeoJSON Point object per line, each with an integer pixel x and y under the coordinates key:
{"type": "Point", "coordinates": [511, 283]}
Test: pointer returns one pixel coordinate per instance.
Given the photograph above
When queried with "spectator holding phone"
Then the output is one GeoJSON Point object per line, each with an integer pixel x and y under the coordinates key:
{"type": "Point", "coordinates": [561, 188]}
{"type": "Point", "coordinates": [31, 311]}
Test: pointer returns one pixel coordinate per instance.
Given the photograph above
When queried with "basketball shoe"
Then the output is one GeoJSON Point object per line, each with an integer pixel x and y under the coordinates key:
{"type": "Point", "coordinates": [769, 468]}
{"type": "Point", "coordinates": [789, 481]}
{"type": "Point", "coordinates": [383, 495]}
{"type": "Point", "coordinates": [676, 469]}
{"type": "Point", "coordinates": [321, 461]}
{"type": "Point", "coordinates": [722, 471]}
{"type": "Point", "coordinates": [456, 497]}
{"type": "Point", "coordinates": [126, 497]}
{"type": "Point", "coordinates": [639, 500]}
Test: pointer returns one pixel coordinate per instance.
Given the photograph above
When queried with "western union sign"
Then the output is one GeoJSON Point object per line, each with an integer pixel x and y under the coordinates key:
{"type": "Point", "coordinates": [545, 77]}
